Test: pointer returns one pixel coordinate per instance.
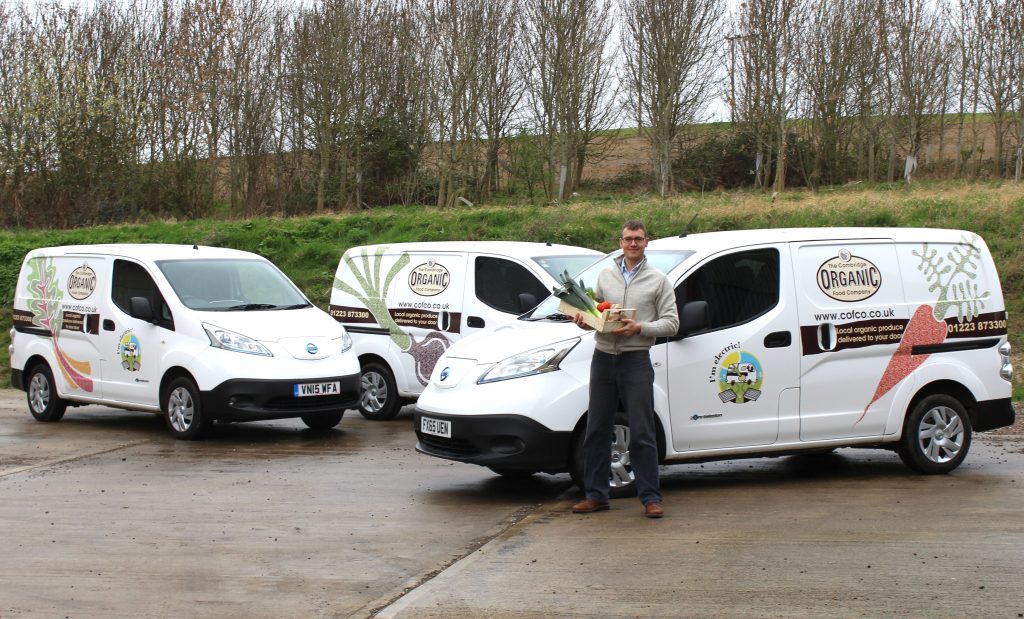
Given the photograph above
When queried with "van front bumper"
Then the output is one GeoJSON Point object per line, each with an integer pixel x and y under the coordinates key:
{"type": "Point", "coordinates": [245, 399]}
{"type": "Point", "coordinates": [511, 442]}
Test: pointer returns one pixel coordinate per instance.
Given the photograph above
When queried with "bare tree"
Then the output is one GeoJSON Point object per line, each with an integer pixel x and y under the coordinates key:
{"type": "Point", "coordinates": [502, 85]}
{"type": "Point", "coordinates": [832, 66]}
{"type": "Point", "coordinates": [669, 48]}
{"type": "Point", "coordinates": [569, 70]}
{"type": "Point", "coordinates": [999, 61]}
{"type": "Point", "coordinates": [458, 27]}
{"type": "Point", "coordinates": [766, 91]}
{"type": "Point", "coordinates": [254, 54]}
{"type": "Point", "coordinates": [916, 49]}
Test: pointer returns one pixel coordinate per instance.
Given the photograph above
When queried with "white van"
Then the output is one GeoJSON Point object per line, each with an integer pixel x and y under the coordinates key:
{"type": "Point", "coordinates": [405, 303]}
{"type": "Point", "coordinates": [199, 333]}
{"type": "Point", "coordinates": [790, 341]}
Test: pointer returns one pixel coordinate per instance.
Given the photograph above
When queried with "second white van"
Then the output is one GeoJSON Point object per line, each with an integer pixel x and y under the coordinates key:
{"type": "Point", "coordinates": [405, 303]}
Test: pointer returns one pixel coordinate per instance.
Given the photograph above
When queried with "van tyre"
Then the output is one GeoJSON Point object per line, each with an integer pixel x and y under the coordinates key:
{"type": "Point", "coordinates": [183, 410]}
{"type": "Point", "coordinates": [323, 422]}
{"type": "Point", "coordinates": [378, 394]}
{"type": "Point", "coordinates": [621, 481]}
{"type": "Point", "coordinates": [43, 401]}
{"type": "Point", "coordinates": [936, 435]}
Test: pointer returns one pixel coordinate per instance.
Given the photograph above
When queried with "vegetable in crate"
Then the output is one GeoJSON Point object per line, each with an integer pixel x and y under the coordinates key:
{"type": "Point", "coordinates": [575, 294]}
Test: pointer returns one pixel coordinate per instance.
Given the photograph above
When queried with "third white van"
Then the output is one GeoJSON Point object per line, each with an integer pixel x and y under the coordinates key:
{"type": "Point", "coordinates": [791, 340]}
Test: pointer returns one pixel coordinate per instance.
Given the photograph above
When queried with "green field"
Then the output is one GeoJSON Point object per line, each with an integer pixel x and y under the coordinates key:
{"type": "Point", "coordinates": [308, 248]}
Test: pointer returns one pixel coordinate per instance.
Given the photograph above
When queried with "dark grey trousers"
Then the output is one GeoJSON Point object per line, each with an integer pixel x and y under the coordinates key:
{"type": "Point", "coordinates": [629, 378]}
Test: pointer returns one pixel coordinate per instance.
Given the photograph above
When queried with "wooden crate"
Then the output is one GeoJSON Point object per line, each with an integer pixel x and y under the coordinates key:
{"type": "Point", "coordinates": [609, 320]}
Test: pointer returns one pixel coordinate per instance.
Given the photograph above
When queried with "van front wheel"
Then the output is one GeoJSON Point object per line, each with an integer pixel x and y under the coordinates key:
{"type": "Point", "coordinates": [936, 436]}
{"type": "Point", "coordinates": [183, 411]}
{"type": "Point", "coordinates": [325, 421]}
{"type": "Point", "coordinates": [43, 401]}
{"type": "Point", "coordinates": [378, 399]}
{"type": "Point", "coordinates": [621, 479]}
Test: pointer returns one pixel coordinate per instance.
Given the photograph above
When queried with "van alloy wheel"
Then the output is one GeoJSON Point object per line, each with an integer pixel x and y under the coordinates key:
{"type": "Point", "coordinates": [43, 401]}
{"type": "Point", "coordinates": [621, 479]}
{"type": "Point", "coordinates": [183, 410]}
{"type": "Point", "coordinates": [936, 435]}
{"type": "Point", "coordinates": [378, 397]}
{"type": "Point", "coordinates": [621, 473]}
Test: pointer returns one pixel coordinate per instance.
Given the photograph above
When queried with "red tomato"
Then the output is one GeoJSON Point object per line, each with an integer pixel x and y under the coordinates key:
{"type": "Point", "coordinates": [603, 305]}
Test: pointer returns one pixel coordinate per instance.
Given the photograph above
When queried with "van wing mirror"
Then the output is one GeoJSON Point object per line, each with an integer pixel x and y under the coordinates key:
{"type": "Point", "coordinates": [693, 318]}
{"type": "Point", "coordinates": [527, 302]}
{"type": "Point", "coordinates": [139, 307]}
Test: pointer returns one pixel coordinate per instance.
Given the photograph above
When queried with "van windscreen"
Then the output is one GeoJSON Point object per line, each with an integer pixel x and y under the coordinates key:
{"type": "Point", "coordinates": [556, 265]}
{"type": "Point", "coordinates": [231, 285]}
{"type": "Point", "coordinates": [663, 260]}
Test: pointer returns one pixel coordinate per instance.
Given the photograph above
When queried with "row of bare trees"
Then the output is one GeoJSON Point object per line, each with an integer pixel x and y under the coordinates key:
{"type": "Point", "coordinates": [119, 110]}
{"type": "Point", "coordinates": [862, 83]}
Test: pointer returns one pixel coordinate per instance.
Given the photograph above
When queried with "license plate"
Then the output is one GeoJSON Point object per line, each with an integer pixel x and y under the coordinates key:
{"type": "Point", "coordinates": [437, 427]}
{"type": "Point", "coordinates": [303, 390]}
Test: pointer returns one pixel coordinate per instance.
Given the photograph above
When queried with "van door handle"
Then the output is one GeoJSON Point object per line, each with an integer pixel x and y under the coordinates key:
{"type": "Point", "coordinates": [108, 325]}
{"type": "Point", "coordinates": [475, 321]}
{"type": "Point", "coordinates": [779, 339]}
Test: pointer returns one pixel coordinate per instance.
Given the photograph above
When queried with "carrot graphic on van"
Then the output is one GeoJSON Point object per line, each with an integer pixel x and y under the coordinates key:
{"type": "Point", "coordinates": [954, 281]}
{"type": "Point", "coordinates": [44, 303]}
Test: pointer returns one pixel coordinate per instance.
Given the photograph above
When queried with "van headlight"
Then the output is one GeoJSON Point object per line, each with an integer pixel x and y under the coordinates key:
{"type": "Point", "coordinates": [536, 361]}
{"type": "Point", "coordinates": [346, 340]}
{"type": "Point", "coordinates": [235, 342]}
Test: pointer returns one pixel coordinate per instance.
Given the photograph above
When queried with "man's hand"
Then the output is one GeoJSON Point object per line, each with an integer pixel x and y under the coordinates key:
{"type": "Point", "coordinates": [629, 328]}
{"type": "Point", "coordinates": [578, 319]}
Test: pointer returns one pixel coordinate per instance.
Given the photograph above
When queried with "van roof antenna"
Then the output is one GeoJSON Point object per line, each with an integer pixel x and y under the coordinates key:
{"type": "Point", "coordinates": [195, 246]}
{"type": "Point", "coordinates": [686, 228]}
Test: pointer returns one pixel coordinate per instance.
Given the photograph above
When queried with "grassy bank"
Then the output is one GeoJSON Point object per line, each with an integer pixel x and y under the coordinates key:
{"type": "Point", "coordinates": [307, 249]}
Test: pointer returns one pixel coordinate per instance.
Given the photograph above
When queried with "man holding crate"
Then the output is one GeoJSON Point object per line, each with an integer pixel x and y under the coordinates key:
{"type": "Point", "coordinates": [621, 371]}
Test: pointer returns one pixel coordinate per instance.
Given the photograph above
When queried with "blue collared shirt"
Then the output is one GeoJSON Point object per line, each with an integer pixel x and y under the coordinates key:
{"type": "Point", "coordinates": [628, 274]}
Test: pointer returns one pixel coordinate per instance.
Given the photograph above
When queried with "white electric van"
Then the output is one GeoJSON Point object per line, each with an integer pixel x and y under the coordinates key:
{"type": "Point", "coordinates": [405, 303]}
{"type": "Point", "coordinates": [197, 333]}
{"type": "Point", "coordinates": [790, 341]}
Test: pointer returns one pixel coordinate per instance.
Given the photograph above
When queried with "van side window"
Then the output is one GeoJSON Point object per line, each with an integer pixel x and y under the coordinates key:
{"type": "Point", "coordinates": [737, 287]}
{"type": "Point", "coordinates": [131, 280]}
{"type": "Point", "coordinates": [499, 283]}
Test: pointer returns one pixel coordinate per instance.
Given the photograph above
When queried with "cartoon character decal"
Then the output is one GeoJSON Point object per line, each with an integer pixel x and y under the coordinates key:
{"type": "Point", "coordinates": [739, 376]}
{"type": "Point", "coordinates": [44, 302]}
{"type": "Point", "coordinates": [130, 350]}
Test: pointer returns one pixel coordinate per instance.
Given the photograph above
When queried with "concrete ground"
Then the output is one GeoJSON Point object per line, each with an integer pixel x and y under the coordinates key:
{"type": "Point", "coordinates": [104, 515]}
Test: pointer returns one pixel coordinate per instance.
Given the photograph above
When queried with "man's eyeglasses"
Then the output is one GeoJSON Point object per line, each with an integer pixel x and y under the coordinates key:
{"type": "Point", "coordinates": [630, 240]}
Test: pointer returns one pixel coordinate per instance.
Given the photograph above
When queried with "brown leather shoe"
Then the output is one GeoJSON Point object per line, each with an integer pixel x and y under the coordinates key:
{"type": "Point", "coordinates": [589, 506]}
{"type": "Point", "coordinates": [654, 510]}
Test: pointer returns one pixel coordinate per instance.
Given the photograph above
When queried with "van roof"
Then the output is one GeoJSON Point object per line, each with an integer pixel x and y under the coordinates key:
{"type": "Point", "coordinates": [145, 251]}
{"type": "Point", "coordinates": [519, 249]}
{"type": "Point", "coordinates": [709, 242]}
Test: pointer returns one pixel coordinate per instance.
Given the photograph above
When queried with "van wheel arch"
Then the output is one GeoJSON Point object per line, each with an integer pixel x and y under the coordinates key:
{"type": "Point", "coordinates": [575, 456]}
{"type": "Point", "coordinates": [170, 375]}
{"type": "Point", "coordinates": [951, 388]}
